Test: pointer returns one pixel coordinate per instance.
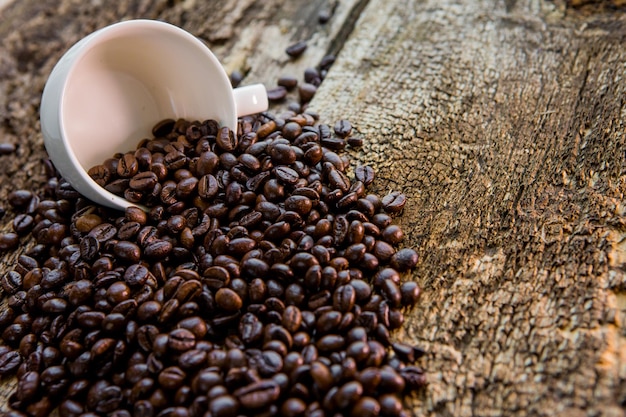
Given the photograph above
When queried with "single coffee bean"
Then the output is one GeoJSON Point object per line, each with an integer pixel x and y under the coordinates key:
{"type": "Point", "coordinates": [296, 49]}
{"type": "Point", "coordinates": [293, 407]}
{"type": "Point", "coordinates": [365, 407]}
{"type": "Point", "coordinates": [9, 362]}
{"type": "Point", "coordinates": [343, 128]}
{"type": "Point", "coordinates": [127, 166]}
{"type": "Point", "coordinates": [181, 340]}
{"type": "Point", "coordinates": [228, 299]}
{"type": "Point", "coordinates": [394, 202]}
{"type": "Point", "coordinates": [287, 81]}
{"type": "Point", "coordinates": [258, 394]}
{"type": "Point", "coordinates": [19, 198]}
{"type": "Point", "coordinates": [226, 140]}
{"type": "Point", "coordinates": [9, 241]}
{"type": "Point", "coordinates": [143, 181]}
{"type": "Point", "coordinates": [306, 91]}
{"type": "Point", "coordinates": [277, 94]}
{"type": "Point", "coordinates": [224, 406]}
{"type": "Point", "coordinates": [404, 259]}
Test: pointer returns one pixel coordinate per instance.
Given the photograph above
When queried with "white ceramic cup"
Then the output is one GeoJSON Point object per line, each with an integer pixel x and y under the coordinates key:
{"type": "Point", "coordinates": [109, 89]}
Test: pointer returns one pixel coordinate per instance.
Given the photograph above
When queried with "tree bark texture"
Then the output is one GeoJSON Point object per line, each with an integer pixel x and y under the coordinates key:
{"type": "Point", "coordinates": [503, 121]}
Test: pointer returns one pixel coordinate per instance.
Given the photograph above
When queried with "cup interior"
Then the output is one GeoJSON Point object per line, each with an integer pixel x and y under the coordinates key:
{"type": "Point", "coordinates": [129, 77]}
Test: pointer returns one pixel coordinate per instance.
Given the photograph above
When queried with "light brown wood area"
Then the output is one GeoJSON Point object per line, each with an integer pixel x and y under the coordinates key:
{"type": "Point", "coordinates": [504, 123]}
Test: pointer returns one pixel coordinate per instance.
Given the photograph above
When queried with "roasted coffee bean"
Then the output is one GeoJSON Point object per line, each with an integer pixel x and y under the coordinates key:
{"type": "Point", "coordinates": [392, 234]}
{"type": "Point", "coordinates": [9, 362]}
{"type": "Point", "coordinates": [394, 202]}
{"type": "Point", "coordinates": [404, 259]}
{"type": "Point", "coordinates": [181, 340]}
{"type": "Point", "coordinates": [8, 241]}
{"type": "Point", "coordinates": [262, 232]}
{"type": "Point", "coordinates": [23, 224]}
{"type": "Point", "coordinates": [306, 92]}
{"type": "Point", "coordinates": [277, 93]}
{"type": "Point", "coordinates": [296, 49]}
{"type": "Point", "coordinates": [410, 292]}
{"type": "Point", "coordinates": [19, 198]}
{"type": "Point", "coordinates": [224, 406]}
{"type": "Point", "coordinates": [228, 299]}
{"type": "Point", "coordinates": [365, 407]}
{"type": "Point", "coordinates": [258, 394]}
{"type": "Point", "coordinates": [344, 298]}
{"type": "Point", "coordinates": [355, 142]}
{"type": "Point", "coordinates": [343, 128]}
{"type": "Point", "coordinates": [287, 81]}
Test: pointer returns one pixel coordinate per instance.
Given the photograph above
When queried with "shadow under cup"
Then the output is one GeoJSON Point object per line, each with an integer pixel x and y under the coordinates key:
{"type": "Point", "coordinates": [126, 81]}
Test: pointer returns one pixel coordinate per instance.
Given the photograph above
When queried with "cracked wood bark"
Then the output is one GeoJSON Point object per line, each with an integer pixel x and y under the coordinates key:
{"type": "Point", "coordinates": [503, 122]}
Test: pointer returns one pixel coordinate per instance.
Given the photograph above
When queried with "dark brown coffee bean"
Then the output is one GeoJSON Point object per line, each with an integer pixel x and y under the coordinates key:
{"type": "Point", "coordinates": [296, 49]}
{"type": "Point", "coordinates": [11, 282]}
{"type": "Point", "coordinates": [146, 335]}
{"type": "Point", "coordinates": [136, 275]}
{"type": "Point", "coordinates": [171, 378]}
{"type": "Point", "coordinates": [392, 234]}
{"type": "Point", "coordinates": [250, 328]}
{"type": "Point", "coordinates": [306, 92]}
{"type": "Point", "coordinates": [224, 406]}
{"type": "Point", "coordinates": [127, 251]}
{"type": "Point", "coordinates": [348, 394]}
{"type": "Point", "coordinates": [287, 81]}
{"type": "Point", "coordinates": [365, 407]}
{"type": "Point", "coordinates": [365, 174]}
{"type": "Point", "coordinates": [226, 140]}
{"type": "Point", "coordinates": [292, 318]}
{"type": "Point", "coordinates": [158, 249]}
{"type": "Point", "coordinates": [277, 93]}
{"type": "Point", "coordinates": [390, 405]}
{"type": "Point", "coordinates": [331, 342]}
{"type": "Point", "coordinates": [181, 340]}
{"type": "Point", "coordinates": [343, 128]}
{"type": "Point", "coordinates": [293, 407]}
{"type": "Point", "coordinates": [344, 298]}
{"type": "Point", "coordinates": [9, 362]}
{"type": "Point", "coordinates": [286, 175]}
{"type": "Point", "coordinates": [355, 142]}
{"type": "Point", "coordinates": [404, 260]}
{"type": "Point", "coordinates": [9, 241]}
{"type": "Point", "coordinates": [411, 292]}
{"type": "Point", "coordinates": [228, 299]}
{"type": "Point", "coordinates": [127, 166]}
{"type": "Point", "coordinates": [23, 224]}
{"type": "Point", "coordinates": [394, 202]}
{"type": "Point", "coordinates": [258, 394]}
{"type": "Point", "coordinates": [143, 181]}
{"type": "Point", "coordinates": [207, 164]}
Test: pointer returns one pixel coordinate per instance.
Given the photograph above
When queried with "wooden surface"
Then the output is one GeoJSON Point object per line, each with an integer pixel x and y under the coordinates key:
{"type": "Point", "coordinates": [502, 121]}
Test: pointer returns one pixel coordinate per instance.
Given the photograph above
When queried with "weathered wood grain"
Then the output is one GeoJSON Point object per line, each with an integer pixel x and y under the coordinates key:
{"type": "Point", "coordinates": [503, 122]}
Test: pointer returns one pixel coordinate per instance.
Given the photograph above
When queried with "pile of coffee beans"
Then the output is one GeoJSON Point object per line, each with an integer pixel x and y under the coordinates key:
{"type": "Point", "coordinates": [263, 280]}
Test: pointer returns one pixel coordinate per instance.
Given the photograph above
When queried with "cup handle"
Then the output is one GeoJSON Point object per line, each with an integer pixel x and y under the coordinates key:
{"type": "Point", "coordinates": [250, 99]}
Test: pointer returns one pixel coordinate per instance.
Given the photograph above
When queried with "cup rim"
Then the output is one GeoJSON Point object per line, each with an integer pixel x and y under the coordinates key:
{"type": "Point", "coordinates": [83, 46]}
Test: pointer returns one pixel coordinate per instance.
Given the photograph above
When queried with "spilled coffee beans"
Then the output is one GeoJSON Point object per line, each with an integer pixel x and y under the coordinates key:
{"type": "Point", "coordinates": [264, 280]}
